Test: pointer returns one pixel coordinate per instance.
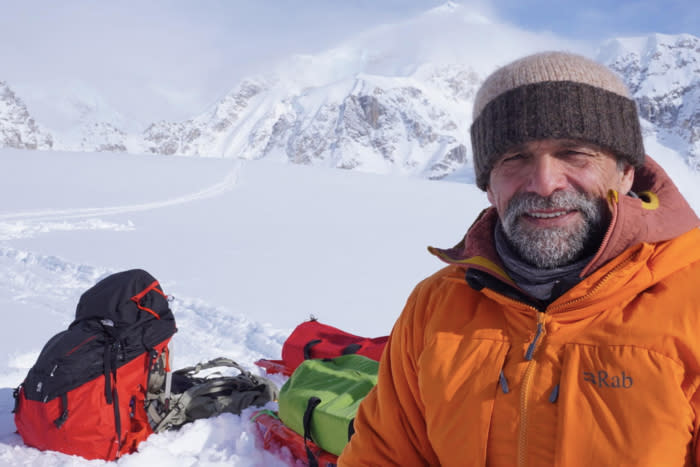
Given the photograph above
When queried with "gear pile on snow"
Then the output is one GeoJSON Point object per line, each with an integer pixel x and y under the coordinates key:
{"type": "Point", "coordinates": [331, 373]}
{"type": "Point", "coordinates": [313, 339]}
{"type": "Point", "coordinates": [193, 395]}
{"type": "Point", "coordinates": [86, 393]}
{"type": "Point", "coordinates": [104, 385]}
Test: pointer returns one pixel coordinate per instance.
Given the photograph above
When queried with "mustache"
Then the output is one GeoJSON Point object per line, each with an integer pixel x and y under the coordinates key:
{"type": "Point", "coordinates": [566, 200]}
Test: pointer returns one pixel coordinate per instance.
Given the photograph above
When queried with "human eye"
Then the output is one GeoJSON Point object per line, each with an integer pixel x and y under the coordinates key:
{"type": "Point", "coordinates": [572, 153]}
{"type": "Point", "coordinates": [575, 156]}
{"type": "Point", "coordinates": [513, 157]}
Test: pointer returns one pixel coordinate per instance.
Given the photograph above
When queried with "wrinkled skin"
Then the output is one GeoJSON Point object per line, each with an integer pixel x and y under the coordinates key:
{"type": "Point", "coordinates": [551, 198]}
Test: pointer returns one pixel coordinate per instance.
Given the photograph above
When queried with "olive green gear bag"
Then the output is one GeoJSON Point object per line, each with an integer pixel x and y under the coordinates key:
{"type": "Point", "coordinates": [320, 399]}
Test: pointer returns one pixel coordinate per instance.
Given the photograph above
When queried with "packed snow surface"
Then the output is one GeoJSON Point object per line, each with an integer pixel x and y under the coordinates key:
{"type": "Point", "coordinates": [248, 250]}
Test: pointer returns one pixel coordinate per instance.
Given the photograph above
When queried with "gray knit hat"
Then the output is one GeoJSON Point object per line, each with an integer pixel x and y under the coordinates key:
{"type": "Point", "coordinates": [553, 95]}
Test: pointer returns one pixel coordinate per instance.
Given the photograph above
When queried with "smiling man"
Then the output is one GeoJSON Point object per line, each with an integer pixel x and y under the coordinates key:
{"type": "Point", "coordinates": [564, 330]}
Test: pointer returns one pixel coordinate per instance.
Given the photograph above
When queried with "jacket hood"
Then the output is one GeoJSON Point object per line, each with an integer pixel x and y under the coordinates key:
{"type": "Point", "coordinates": [659, 213]}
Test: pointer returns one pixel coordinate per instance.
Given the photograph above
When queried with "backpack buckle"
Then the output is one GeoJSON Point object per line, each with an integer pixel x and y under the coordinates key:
{"type": "Point", "coordinates": [15, 394]}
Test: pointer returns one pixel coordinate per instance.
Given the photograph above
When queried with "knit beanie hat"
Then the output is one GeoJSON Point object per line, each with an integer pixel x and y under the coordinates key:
{"type": "Point", "coordinates": [553, 95]}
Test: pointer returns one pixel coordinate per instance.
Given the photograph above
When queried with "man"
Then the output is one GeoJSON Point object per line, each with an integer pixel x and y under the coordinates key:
{"type": "Point", "coordinates": [565, 329]}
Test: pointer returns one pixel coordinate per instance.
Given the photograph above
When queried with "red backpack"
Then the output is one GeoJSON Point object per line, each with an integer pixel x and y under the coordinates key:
{"type": "Point", "coordinates": [86, 393]}
{"type": "Point", "coordinates": [312, 339]}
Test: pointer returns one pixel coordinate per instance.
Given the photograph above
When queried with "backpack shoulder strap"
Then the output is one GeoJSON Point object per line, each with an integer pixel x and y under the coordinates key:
{"type": "Point", "coordinates": [177, 414]}
{"type": "Point", "coordinates": [210, 395]}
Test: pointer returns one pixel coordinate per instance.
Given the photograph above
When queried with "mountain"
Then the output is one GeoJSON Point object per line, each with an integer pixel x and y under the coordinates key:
{"type": "Point", "coordinates": [17, 127]}
{"type": "Point", "coordinates": [663, 73]}
{"type": "Point", "coordinates": [416, 123]}
{"type": "Point", "coordinates": [381, 110]}
{"type": "Point", "coordinates": [365, 122]}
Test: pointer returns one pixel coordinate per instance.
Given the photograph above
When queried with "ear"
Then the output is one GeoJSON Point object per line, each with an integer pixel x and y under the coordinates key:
{"type": "Point", "coordinates": [626, 179]}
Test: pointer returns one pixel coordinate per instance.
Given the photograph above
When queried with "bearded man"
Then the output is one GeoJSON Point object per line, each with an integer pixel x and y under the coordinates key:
{"type": "Point", "coordinates": [564, 330]}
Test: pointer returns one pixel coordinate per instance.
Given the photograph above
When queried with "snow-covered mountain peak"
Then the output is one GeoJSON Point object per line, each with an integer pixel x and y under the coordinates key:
{"type": "Point", "coordinates": [375, 123]}
{"type": "Point", "coordinates": [459, 11]}
{"type": "Point", "coordinates": [672, 59]}
{"type": "Point", "coordinates": [466, 14]}
{"type": "Point", "coordinates": [17, 127]}
{"type": "Point", "coordinates": [663, 73]}
{"type": "Point", "coordinates": [360, 106]}
{"type": "Point", "coordinates": [388, 101]}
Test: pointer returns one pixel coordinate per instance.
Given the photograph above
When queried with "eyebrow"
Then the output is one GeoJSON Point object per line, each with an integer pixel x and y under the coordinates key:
{"type": "Point", "coordinates": [565, 144]}
{"type": "Point", "coordinates": [573, 144]}
{"type": "Point", "coordinates": [515, 149]}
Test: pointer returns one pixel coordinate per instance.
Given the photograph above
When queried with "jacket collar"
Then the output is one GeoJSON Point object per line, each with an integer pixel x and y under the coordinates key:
{"type": "Point", "coordinates": [659, 214]}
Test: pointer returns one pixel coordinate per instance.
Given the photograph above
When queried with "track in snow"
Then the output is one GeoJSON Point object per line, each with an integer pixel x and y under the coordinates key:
{"type": "Point", "coordinates": [217, 189]}
{"type": "Point", "coordinates": [53, 285]}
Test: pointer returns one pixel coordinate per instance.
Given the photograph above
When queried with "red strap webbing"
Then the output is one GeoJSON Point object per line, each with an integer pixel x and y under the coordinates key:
{"type": "Point", "coordinates": [138, 297]}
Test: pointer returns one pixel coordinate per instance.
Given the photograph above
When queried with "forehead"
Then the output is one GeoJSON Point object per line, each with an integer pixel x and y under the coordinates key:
{"type": "Point", "coordinates": [554, 145]}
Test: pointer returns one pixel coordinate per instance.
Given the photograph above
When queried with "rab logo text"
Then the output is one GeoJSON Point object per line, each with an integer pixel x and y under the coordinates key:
{"type": "Point", "coordinates": [604, 380]}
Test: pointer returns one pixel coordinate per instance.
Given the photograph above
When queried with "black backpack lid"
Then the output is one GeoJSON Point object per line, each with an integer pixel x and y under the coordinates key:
{"type": "Point", "coordinates": [124, 298]}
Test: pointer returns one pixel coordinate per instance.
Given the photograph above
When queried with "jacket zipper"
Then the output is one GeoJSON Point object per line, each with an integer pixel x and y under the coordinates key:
{"type": "Point", "coordinates": [525, 391]}
{"type": "Point", "coordinates": [601, 282]}
{"type": "Point", "coordinates": [532, 363]}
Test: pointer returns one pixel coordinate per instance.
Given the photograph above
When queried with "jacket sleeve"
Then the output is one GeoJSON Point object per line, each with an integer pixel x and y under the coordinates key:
{"type": "Point", "coordinates": [390, 425]}
{"type": "Point", "coordinates": [695, 404]}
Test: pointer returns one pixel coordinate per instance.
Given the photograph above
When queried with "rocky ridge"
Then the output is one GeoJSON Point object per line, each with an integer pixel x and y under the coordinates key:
{"type": "Point", "coordinates": [417, 124]}
{"type": "Point", "coordinates": [17, 127]}
{"type": "Point", "coordinates": [367, 122]}
{"type": "Point", "coordinates": [663, 74]}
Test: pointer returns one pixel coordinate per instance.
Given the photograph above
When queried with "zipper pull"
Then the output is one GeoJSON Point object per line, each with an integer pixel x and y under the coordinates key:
{"type": "Point", "coordinates": [554, 395]}
{"type": "Point", "coordinates": [540, 330]}
{"type": "Point", "coordinates": [504, 383]}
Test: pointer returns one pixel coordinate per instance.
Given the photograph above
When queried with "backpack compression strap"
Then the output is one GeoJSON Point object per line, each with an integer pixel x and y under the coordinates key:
{"type": "Point", "coordinates": [310, 406]}
{"type": "Point", "coordinates": [64, 415]}
{"type": "Point", "coordinates": [112, 347]}
{"type": "Point", "coordinates": [155, 286]}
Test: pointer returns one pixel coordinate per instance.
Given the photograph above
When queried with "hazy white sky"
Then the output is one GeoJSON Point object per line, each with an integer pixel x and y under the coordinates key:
{"type": "Point", "coordinates": [174, 58]}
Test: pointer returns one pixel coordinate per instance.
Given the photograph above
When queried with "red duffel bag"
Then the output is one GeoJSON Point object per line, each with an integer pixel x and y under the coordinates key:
{"type": "Point", "coordinates": [312, 339]}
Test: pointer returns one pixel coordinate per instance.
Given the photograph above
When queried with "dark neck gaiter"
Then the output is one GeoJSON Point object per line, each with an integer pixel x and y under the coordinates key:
{"type": "Point", "coordinates": [543, 284]}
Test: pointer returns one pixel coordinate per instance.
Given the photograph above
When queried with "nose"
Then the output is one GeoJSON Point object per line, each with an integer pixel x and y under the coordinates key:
{"type": "Point", "coordinates": [547, 175]}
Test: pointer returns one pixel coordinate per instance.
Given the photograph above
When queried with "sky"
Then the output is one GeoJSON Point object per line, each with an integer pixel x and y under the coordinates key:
{"type": "Point", "coordinates": [173, 59]}
{"type": "Point", "coordinates": [594, 19]}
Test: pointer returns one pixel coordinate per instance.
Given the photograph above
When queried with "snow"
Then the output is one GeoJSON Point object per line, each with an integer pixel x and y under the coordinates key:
{"type": "Point", "coordinates": [248, 250]}
{"type": "Point", "coordinates": [251, 248]}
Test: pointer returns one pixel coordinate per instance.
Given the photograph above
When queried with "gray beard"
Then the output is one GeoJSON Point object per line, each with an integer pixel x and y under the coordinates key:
{"type": "Point", "coordinates": [559, 246]}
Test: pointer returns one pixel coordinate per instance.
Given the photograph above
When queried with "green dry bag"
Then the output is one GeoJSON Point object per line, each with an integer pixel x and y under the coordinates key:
{"type": "Point", "coordinates": [320, 399]}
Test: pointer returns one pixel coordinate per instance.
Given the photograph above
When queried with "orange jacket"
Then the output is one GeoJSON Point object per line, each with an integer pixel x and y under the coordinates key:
{"type": "Point", "coordinates": [607, 374]}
